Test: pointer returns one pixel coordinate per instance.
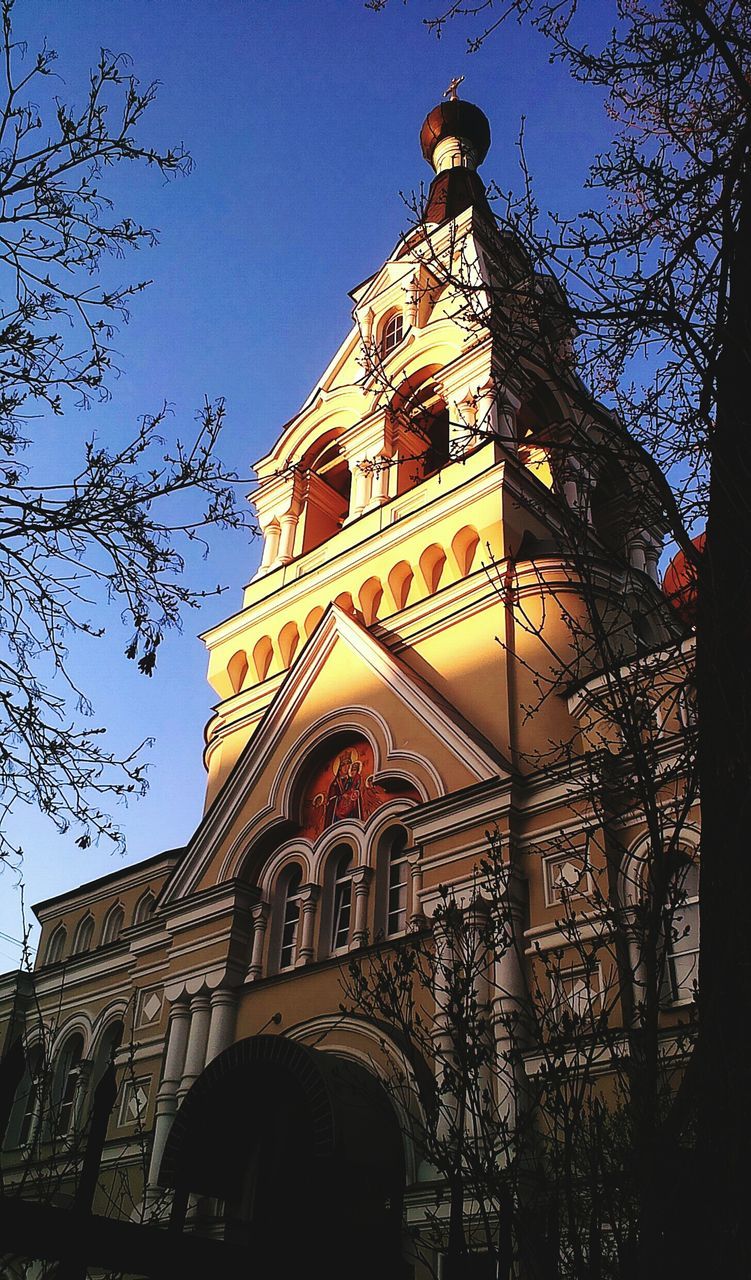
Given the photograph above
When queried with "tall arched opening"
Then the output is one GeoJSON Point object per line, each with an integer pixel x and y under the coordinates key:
{"type": "Point", "coordinates": [303, 1151]}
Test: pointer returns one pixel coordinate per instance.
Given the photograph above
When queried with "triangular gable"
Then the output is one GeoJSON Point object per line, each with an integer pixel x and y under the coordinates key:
{"type": "Point", "coordinates": [392, 272]}
{"type": "Point", "coordinates": [452, 737]}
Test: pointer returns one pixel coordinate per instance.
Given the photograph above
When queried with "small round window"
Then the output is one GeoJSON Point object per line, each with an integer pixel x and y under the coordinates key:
{"type": "Point", "coordinates": [393, 333]}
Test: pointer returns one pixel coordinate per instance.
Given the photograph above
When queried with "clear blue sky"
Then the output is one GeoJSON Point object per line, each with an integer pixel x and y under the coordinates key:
{"type": "Point", "coordinates": [302, 117]}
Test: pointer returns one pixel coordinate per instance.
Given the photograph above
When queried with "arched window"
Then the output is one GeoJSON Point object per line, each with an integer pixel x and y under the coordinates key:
{"type": "Point", "coordinates": [144, 908]}
{"type": "Point", "coordinates": [393, 868]}
{"type": "Point", "coordinates": [683, 941]}
{"type": "Point", "coordinates": [327, 488]}
{"type": "Point", "coordinates": [393, 333]}
{"type": "Point", "coordinates": [23, 1121]}
{"type": "Point", "coordinates": [113, 924]}
{"type": "Point", "coordinates": [108, 1046]}
{"type": "Point", "coordinates": [56, 945]}
{"type": "Point", "coordinates": [67, 1078]}
{"type": "Point", "coordinates": [341, 860]}
{"type": "Point", "coordinates": [84, 934]}
{"type": "Point", "coordinates": [291, 917]}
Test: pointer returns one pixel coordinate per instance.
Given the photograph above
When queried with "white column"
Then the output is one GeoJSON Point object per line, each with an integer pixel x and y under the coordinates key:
{"type": "Point", "coordinates": [379, 482]}
{"type": "Point", "coordinates": [195, 1054]}
{"type": "Point", "coordinates": [361, 477]}
{"type": "Point", "coordinates": [571, 471]}
{"type": "Point", "coordinates": [361, 884]}
{"type": "Point", "coordinates": [461, 413]}
{"type": "Point", "coordinates": [271, 535]}
{"type": "Point", "coordinates": [166, 1102]}
{"type": "Point", "coordinates": [308, 906]}
{"type": "Point", "coordinates": [652, 555]}
{"type": "Point", "coordinates": [508, 1003]}
{"type": "Point", "coordinates": [415, 915]}
{"type": "Point", "coordinates": [222, 1022]}
{"type": "Point", "coordinates": [478, 956]}
{"type": "Point", "coordinates": [638, 973]}
{"type": "Point", "coordinates": [85, 1068]}
{"type": "Point", "coordinates": [637, 552]}
{"type": "Point", "coordinates": [411, 300]}
{"type": "Point", "coordinates": [507, 406]}
{"type": "Point", "coordinates": [260, 916]}
{"type": "Point", "coordinates": [443, 1039]}
{"type": "Point", "coordinates": [367, 325]}
{"type": "Point", "coordinates": [288, 524]}
{"type": "Point", "coordinates": [486, 409]}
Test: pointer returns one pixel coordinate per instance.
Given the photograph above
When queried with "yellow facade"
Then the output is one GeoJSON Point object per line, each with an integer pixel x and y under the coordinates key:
{"type": "Point", "coordinates": [411, 609]}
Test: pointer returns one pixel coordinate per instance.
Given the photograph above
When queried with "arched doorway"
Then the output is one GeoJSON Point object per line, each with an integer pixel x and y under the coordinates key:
{"type": "Point", "coordinates": [303, 1149]}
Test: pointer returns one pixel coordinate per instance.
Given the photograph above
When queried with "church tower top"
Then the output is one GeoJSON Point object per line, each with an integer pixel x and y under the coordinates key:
{"type": "Point", "coordinates": [455, 138]}
{"type": "Point", "coordinates": [455, 133]}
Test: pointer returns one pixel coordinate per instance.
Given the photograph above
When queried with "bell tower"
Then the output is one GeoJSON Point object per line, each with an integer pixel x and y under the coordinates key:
{"type": "Point", "coordinates": [429, 458]}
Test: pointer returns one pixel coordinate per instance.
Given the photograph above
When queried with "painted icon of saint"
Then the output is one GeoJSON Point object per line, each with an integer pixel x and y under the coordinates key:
{"type": "Point", "coordinates": [343, 797]}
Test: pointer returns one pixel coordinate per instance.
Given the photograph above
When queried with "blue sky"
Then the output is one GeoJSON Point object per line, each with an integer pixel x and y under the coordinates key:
{"type": "Point", "coordinates": [302, 117]}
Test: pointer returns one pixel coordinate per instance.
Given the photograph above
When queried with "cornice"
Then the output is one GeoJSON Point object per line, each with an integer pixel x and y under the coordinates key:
{"type": "Point", "coordinates": [103, 887]}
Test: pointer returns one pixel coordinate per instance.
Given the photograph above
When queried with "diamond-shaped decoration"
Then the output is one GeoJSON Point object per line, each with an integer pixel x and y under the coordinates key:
{"type": "Point", "coordinates": [136, 1102]}
{"type": "Point", "coordinates": [152, 1006]}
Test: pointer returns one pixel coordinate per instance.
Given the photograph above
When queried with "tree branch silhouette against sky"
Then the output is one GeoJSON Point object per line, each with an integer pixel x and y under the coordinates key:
{"type": "Point", "coordinates": [302, 122]}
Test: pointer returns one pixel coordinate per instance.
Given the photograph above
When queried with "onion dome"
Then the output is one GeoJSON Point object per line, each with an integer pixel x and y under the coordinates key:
{"type": "Point", "coordinates": [455, 138]}
{"type": "Point", "coordinates": [455, 129]}
{"type": "Point", "coordinates": [680, 583]}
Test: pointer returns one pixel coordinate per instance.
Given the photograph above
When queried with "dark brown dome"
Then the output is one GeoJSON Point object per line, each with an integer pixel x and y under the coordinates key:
{"type": "Point", "coordinates": [456, 119]}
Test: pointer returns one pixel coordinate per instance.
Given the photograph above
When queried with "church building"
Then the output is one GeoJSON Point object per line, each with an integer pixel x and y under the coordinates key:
{"type": "Point", "coordinates": [413, 667]}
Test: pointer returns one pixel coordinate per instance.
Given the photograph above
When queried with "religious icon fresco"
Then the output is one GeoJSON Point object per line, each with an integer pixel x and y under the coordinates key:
{"type": "Point", "coordinates": [343, 789]}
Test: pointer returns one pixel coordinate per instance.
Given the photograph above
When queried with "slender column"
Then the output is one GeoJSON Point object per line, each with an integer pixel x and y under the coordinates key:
{"type": "Point", "coordinates": [506, 408]}
{"type": "Point", "coordinates": [288, 524]}
{"type": "Point", "coordinates": [85, 1068]}
{"type": "Point", "coordinates": [308, 907]}
{"type": "Point", "coordinates": [195, 1054]}
{"type": "Point", "coordinates": [461, 411]}
{"type": "Point", "coordinates": [411, 300]}
{"type": "Point", "coordinates": [652, 557]}
{"type": "Point", "coordinates": [379, 482]}
{"type": "Point", "coordinates": [478, 957]}
{"type": "Point", "coordinates": [443, 1040]}
{"type": "Point", "coordinates": [166, 1103]}
{"type": "Point", "coordinates": [222, 1022]}
{"type": "Point", "coordinates": [637, 552]}
{"type": "Point", "coordinates": [361, 884]}
{"type": "Point", "coordinates": [414, 885]}
{"type": "Point", "coordinates": [37, 1084]}
{"type": "Point", "coordinates": [271, 535]}
{"type": "Point", "coordinates": [507, 1004]}
{"type": "Point", "coordinates": [260, 916]}
{"type": "Point", "coordinates": [360, 488]}
{"type": "Point", "coordinates": [638, 974]}
{"type": "Point", "coordinates": [571, 471]}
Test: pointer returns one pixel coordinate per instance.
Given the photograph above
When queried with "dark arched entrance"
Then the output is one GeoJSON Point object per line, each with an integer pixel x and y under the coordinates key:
{"type": "Point", "coordinates": [304, 1150]}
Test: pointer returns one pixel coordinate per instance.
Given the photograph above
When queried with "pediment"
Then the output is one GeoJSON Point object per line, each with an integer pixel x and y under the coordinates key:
{"type": "Point", "coordinates": [393, 272]}
{"type": "Point", "coordinates": [344, 681]}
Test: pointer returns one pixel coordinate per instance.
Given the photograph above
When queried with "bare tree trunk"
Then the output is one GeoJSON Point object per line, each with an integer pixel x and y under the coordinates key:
{"type": "Point", "coordinates": [724, 689]}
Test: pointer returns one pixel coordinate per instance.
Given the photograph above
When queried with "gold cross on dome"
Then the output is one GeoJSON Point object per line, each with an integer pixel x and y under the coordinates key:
{"type": "Point", "coordinates": [451, 93]}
